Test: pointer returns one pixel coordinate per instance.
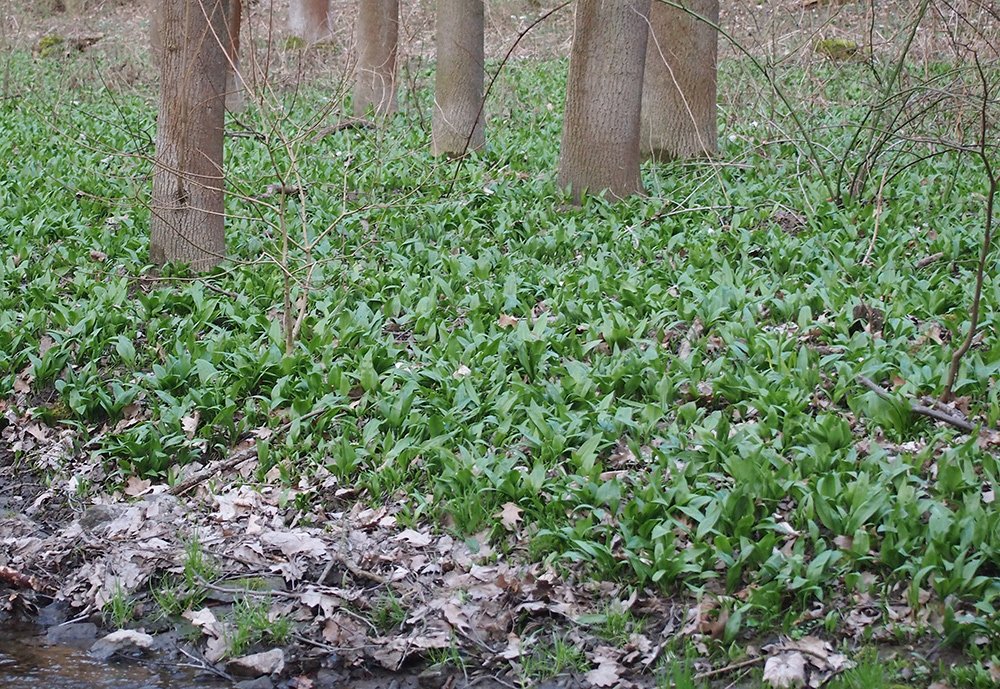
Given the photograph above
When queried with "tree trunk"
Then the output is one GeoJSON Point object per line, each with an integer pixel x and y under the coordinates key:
{"type": "Point", "coordinates": [457, 124]}
{"type": "Point", "coordinates": [235, 86]}
{"type": "Point", "coordinates": [153, 7]}
{"type": "Point", "coordinates": [375, 74]}
{"type": "Point", "coordinates": [600, 140]}
{"type": "Point", "coordinates": [309, 20]}
{"type": "Point", "coordinates": [187, 223]}
{"type": "Point", "coordinates": [679, 93]}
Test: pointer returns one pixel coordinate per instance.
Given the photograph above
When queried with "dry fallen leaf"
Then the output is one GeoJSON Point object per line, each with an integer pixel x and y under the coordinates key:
{"type": "Point", "coordinates": [506, 321]}
{"type": "Point", "coordinates": [189, 424]}
{"type": "Point", "coordinates": [606, 674]}
{"type": "Point", "coordinates": [414, 537]}
{"type": "Point", "coordinates": [291, 543]}
{"type": "Point", "coordinates": [843, 542]}
{"type": "Point", "coordinates": [136, 486]}
{"type": "Point", "coordinates": [510, 516]}
{"type": "Point", "coordinates": [513, 649]}
{"type": "Point", "coordinates": [461, 372]}
{"type": "Point", "coordinates": [258, 664]}
{"type": "Point", "coordinates": [785, 670]}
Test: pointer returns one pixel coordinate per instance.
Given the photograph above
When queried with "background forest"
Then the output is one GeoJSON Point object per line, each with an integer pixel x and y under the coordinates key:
{"type": "Point", "coordinates": [437, 410]}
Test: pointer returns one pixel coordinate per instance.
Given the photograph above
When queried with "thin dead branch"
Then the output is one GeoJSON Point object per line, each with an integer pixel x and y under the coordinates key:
{"type": "Point", "coordinates": [918, 408]}
{"type": "Point", "coordinates": [927, 260]}
{"type": "Point", "coordinates": [977, 295]}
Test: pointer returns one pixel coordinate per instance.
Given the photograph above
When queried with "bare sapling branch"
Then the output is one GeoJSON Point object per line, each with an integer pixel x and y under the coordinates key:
{"type": "Point", "coordinates": [983, 153]}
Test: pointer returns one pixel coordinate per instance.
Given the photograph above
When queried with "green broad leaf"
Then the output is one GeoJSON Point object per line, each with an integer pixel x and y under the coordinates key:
{"type": "Point", "coordinates": [585, 456]}
{"type": "Point", "coordinates": [125, 349]}
{"type": "Point", "coordinates": [707, 524]}
{"type": "Point", "coordinates": [206, 371]}
{"type": "Point", "coordinates": [367, 376]}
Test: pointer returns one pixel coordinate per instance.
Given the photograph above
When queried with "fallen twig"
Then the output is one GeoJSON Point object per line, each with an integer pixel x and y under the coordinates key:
{"type": "Point", "coordinates": [729, 668]}
{"type": "Point", "coordinates": [16, 580]}
{"type": "Point", "coordinates": [346, 123]}
{"type": "Point", "coordinates": [920, 409]}
{"type": "Point", "coordinates": [202, 664]}
{"type": "Point", "coordinates": [232, 461]}
{"type": "Point", "coordinates": [214, 469]}
{"type": "Point", "coordinates": [927, 260]}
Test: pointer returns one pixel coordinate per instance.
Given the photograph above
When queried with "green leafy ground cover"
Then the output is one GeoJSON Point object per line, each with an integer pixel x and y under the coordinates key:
{"type": "Point", "coordinates": [664, 387]}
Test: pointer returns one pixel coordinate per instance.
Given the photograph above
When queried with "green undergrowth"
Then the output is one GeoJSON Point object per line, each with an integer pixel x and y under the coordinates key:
{"type": "Point", "coordinates": [666, 386]}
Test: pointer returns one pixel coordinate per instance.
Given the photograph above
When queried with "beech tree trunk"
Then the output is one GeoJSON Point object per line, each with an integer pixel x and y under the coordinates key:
{"type": "Point", "coordinates": [679, 94]}
{"type": "Point", "coordinates": [600, 139]}
{"type": "Point", "coordinates": [187, 223]}
{"type": "Point", "coordinates": [377, 38]}
{"type": "Point", "coordinates": [457, 125]}
{"type": "Point", "coordinates": [309, 20]}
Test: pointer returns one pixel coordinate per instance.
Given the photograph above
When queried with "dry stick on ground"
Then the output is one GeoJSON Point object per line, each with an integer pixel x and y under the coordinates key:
{"type": "Point", "coordinates": [983, 153]}
{"type": "Point", "coordinates": [342, 125]}
{"type": "Point", "coordinates": [729, 668]}
{"type": "Point", "coordinates": [927, 260]}
{"type": "Point", "coordinates": [920, 409]}
{"type": "Point", "coordinates": [233, 460]}
{"type": "Point", "coordinates": [204, 665]}
{"type": "Point", "coordinates": [16, 580]}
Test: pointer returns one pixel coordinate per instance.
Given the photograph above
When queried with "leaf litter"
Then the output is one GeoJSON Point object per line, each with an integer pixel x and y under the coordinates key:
{"type": "Point", "coordinates": [327, 572]}
{"type": "Point", "coordinates": [328, 575]}
{"type": "Point", "coordinates": [325, 577]}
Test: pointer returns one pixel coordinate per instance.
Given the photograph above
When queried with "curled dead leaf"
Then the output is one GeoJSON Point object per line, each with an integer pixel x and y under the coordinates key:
{"type": "Point", "coordinates": [189, 424]}
{"type": "Point", "coordinates": [785, 670]}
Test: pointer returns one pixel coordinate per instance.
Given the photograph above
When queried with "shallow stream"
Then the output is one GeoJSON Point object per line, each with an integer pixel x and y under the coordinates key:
{"type": "Point", "coordinates": [28, 661]}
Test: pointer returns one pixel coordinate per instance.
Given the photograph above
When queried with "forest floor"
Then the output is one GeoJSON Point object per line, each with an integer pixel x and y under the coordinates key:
{"type": "Point", "coordinates": [668, 441]}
